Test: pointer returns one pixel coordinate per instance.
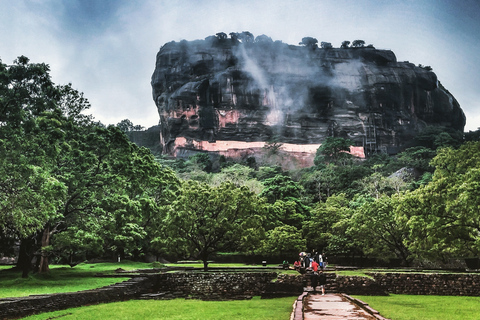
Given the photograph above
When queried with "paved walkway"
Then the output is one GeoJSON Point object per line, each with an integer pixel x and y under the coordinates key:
{"type": "Point", "coordinates": [332, 307]}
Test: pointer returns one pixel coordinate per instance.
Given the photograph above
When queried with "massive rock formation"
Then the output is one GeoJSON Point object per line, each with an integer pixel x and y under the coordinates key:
{"type": "Point", "coordinates": [232, 96]}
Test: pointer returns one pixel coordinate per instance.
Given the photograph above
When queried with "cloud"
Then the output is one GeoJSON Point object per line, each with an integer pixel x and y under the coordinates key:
{"type": "Point", "coordinates": [107, 48]}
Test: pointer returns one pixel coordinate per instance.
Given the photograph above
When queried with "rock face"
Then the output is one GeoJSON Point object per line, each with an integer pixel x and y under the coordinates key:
{"type": "Point", "coordinates": [230, 96]}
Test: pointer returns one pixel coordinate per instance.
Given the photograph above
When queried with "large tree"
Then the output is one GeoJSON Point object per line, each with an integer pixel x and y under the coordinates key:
{"type": "Point", "coordinates": [30, 126]}
{"type": "Point", "coordinates": [444, 215]}
{"type": "Point", "coordinates": [62, 172]}
{"type": "Point", "coordinates": [204, 220]}
{"type": "Point", "coordinates": [376, 227]}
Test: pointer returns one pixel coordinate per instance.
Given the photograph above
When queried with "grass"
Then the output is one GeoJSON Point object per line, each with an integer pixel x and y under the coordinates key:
{"type": "Point", "coordinates": [62, 279]}
{"type": "Point", "coordinates": [260, 309]}
{"type": "Point", "coordinates": [417, 307]}
{"type": "Point", "coordinates": [353, 273]}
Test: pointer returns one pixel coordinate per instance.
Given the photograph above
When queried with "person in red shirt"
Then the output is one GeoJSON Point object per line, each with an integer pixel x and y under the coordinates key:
{"type": "Point", "coordinates": [315, 266]}
{"type": "Point", "coordinates": [296, 265]}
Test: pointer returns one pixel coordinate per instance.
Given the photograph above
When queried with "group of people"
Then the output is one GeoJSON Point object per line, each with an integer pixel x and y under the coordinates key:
{"type": "Point", "coordinates": [314, 260]}
{"type": "Point", "coordinates": [313, 265]}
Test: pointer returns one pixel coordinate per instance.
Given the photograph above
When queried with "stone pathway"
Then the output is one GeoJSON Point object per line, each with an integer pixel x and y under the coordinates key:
{"type": "Point", "coordinates": [332, 307]}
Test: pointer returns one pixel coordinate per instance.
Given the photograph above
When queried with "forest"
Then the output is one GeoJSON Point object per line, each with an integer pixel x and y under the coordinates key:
{"type": "Point", "coordinates": [73, 189]}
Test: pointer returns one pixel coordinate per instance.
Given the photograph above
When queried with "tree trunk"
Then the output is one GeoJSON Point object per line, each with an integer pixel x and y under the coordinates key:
{"type": "Point", "coordinates": [205, 265]}
{"type": "Point", "coordinates": [24, 261]}
{"type": "Point", "coordinates": [43, 266]}
{"type": "Point", "coordinates": [204, 256]}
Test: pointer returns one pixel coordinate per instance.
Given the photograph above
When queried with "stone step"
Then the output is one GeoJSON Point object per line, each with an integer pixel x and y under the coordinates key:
{"type": "Point", "coordinates": [152, 296]}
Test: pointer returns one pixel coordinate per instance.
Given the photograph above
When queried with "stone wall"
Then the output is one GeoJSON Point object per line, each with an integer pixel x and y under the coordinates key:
{"type": "Point", "coordinates": [213, 286]}
{"type": "Point", "coordinates": [221, 286]}
{"type": "Point", "coordinates": [453, 284]}
{"type": "Point", "coordinates": [12, 308]}
{"type": "Point", "coordinates": [359, 285]}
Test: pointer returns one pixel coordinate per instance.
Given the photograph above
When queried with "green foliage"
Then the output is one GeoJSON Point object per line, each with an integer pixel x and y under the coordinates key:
{"type": "Point", "coordinates": [378, 230]}
{"type": "Point", "coordinates": [418, 158]}
{"type": "Point", "coordinates": [126, 126]}
{"type": "Point", "coordinates": [334, 150]}
{"type": "Point", "coordinates": [443, 215]}
{"type": "Point", "coordinates": [281, 187]}
{"type": "Point", "coordinates": [61, 172]}
{"type": "Point", "coordinates": [282, 212]}
{"type": "Point", "coordinates": [265, 172]}
{"type": "Point", "coordinates": [202, 161]}
{"type": "Point", "coordinates": [319, 230]}
{"type": "Point", "coordinates": [203, 220]}
{"type": "Point", "coordinates": [439, 137]}
{"type": "Point", "coordinates": [284, 241]}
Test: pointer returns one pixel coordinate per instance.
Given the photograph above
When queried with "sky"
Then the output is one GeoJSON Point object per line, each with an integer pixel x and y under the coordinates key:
{"type": "Point", "coordinates": [107, 48]}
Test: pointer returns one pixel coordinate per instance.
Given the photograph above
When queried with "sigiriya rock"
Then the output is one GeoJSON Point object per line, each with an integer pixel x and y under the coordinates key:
{"type": "Point", "coordinates": [232, 94]}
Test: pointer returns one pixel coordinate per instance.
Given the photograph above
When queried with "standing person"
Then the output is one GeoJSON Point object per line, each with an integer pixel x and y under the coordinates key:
{"type": "Point", "coordinates": [322, 281]}
{"type": "Point", "coordinates": [315, 266]}
{"type": "Point", "coordinates": [325, 260]}
{"type": "Point", "coordinates": [314, 280]}
{"type": "Point", "coordinates": [320, 260]}
{"type": "Point", "coordinates": [315, 255]}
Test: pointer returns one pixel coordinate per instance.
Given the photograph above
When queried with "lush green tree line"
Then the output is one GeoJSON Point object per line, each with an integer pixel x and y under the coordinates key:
{"type": "Point", "coordinates": [72, 189]}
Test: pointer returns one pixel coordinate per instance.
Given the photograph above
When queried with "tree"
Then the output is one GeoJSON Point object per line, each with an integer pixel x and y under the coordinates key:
{"type": "Point", "coordinates": [358, 43]}
{"type": "Point", "coordinates": [335, 150]}
{"type": "Point", "coordinates": [326, 45]}
{"type": "Point", "coordinates": [204, 220]}
{"type": "Point", "coordinates": [418, 158]}
{"type": "Point", "coordinates": [345, 44]}
{"type": "Point", "coordinates": [323, 182]}
{"type": "Point", "coordinates": [435, 137]}
{"type": "Point", "coordinates": [376, 227]}
{"type": "Point", "coordinates": [284, 213]}
{"type": "Point", "coordinates": [246, 37]}
{"type": "Point", "coordinates": [127, 126]}
{"type": "Point", "coordinates": [284, 241]}
{"type": "Point", "coordinates": [309, 42]}
{"type": "Point", "coordinates": [319, 230]}
{"type": "Point", "coordinates": [115, 192]}
{"type": "Point", "coordinates": [61, 172]}
{"type": "Point", "coordinates": [30, 194]}
{"type": "Point", "coordinates": [443, 215]}
{"type": "Point", "coordinates": [201, 161]}
{"type": "Point", "coordinates": [263, 39]}
{"type": "Point", "coordinates": [221, 36]}
{"type": "Point", "coordinates": [281, 187]}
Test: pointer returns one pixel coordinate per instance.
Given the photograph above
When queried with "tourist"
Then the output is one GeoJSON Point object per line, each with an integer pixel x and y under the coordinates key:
{"type": "Point", "coordinates": [322, 281]}
{"type": "Point", "coordinates": [315, 266]}
{"type": "Point", "coordinates": [297, 265]}
{"type": "Point", "coordinates": [324, 261]}
{"type": "Point", "coordinates": [314, 280]}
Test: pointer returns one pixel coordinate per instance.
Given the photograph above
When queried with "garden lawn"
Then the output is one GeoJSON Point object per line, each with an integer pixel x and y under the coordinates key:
{"type": "Point", "coordinates": [181, 309]}
{"type": "Point", "coordinates": [418, 307]}
{"type": "Point", "coordinates": [62, 279]}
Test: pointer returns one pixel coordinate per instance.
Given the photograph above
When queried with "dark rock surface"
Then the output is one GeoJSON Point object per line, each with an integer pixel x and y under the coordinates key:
{"type": "Point", "coordinates": [221, 89]}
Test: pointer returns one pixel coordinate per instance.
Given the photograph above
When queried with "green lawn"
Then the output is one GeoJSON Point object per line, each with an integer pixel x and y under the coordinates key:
{"type": "Point", "coordinates": [415, 307]}
{"type": "Point", "coordinates": [181, 309]}
{"type": "Point", "coordinates": [62, 278]}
